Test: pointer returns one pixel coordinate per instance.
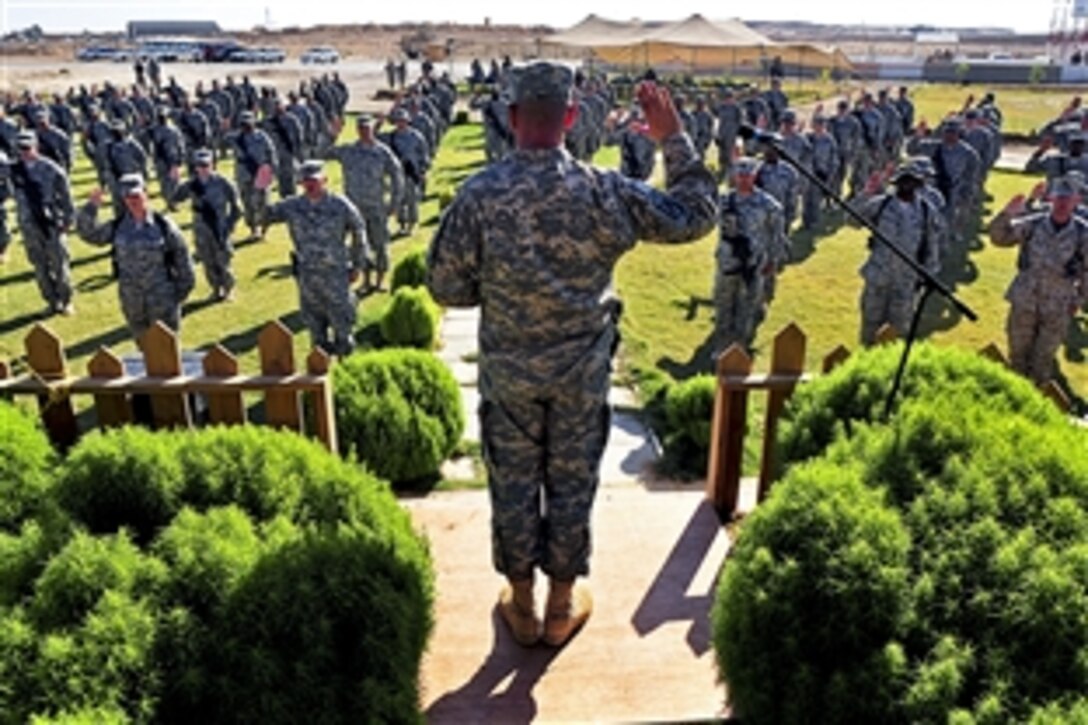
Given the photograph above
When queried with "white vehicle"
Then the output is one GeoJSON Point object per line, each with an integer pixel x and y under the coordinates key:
{"type": "Point", "coordinates": [257, 55]}
{"type": "Point", "coordinates": [166, 51]}
{"type": "Point", "coordinates": [320, 55]}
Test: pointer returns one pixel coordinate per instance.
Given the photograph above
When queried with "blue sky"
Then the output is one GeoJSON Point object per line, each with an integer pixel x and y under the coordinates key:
{"type": "Point", "coordinates": [75, 15]}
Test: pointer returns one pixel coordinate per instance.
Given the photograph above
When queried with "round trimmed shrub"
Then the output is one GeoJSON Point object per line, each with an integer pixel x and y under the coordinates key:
{"type": "Point", "coordinates": [399, 411]}
{"type": "Point", "coordinates": [689, 409]}
{"type": "Point", "coordinates": [410, 271]}
{"type": "Point", "coordinates": [993, 629]}
{"type": "Point", "coordinates": [129, 477]}
{"type": "Point", "coordinates": [411, 319]}
{"type": "Point", "coordinates": [813, 601]}
{"type": "Point", "coordinates": [334, 623]}
{"type": "Point", "coordinates": [26, 460]}
{"type": "Point", "coordinates": [853, 395]}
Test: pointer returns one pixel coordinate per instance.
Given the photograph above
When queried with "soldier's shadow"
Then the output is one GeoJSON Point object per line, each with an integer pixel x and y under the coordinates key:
{"type": "Point", "coordinates": [1076, 339]}
{"type": "Point", "coordinates": [276, 271]}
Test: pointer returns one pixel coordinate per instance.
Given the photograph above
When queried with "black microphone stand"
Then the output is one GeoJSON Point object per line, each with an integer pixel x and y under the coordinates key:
{"type": "Point", "coordinates": [930, 283]}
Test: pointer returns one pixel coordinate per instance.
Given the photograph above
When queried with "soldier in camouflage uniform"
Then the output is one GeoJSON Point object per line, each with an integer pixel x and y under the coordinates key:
{"type": "Point", "coordinates": [167, 153]}
{"type": "Point", "coordinates": [96, 139]}
{"type": "Point", "coordinates": [780, 180]}
{"type": "Point", "coordinates": [1054, 162]}
{"type": "Point", "coordinates": [493, 110]}
{"type": "Point", "coordinates": [369, 167]}
{"type": "Point", "coordinates": [846, 128]}
{"type": "Point", "coordinates": [323, 266]}
{"type": "Point", "coordinates": [730, 117]}
{"type": "Point", "coordinates": [958, 167]}
{"type": "Point", "coordinates": [286, 133]}
{"type": "Point", "coordinates": [777, 102]}
{"type": "Point", "coordinates": [905, 107]}
{"type": "Point", "coordinates": [796, 145]}
{"type": "Point", "coordinates": [1051, 282]}
{"type": "Point", "coordinates": [637, 152]}
{"type": "Point", "coordinates": [703, 122]}
{"type": "Point", "coordinates": [411, 149]}
{"type": "Point", "coordinates": [154, 271]}
{"type": "Point", "coordinates": [909, 220]}
{"type": "Point", "coordinates": [6, 192]}
{"type": "Point", "coordinates": [124, 156]}
{"type": "Point", "coordinates": [215, 213]}
{"type": "Point", "coordinates": [534, 240]}
{"type": "Point", "coordinates": [253, 149]}
{"type": "Point", "coordinates": [923, 166]}
{"type": "Point", "coordinates": [752, 246]}
{"type": "Point", "coordinates": [893, 127]}
{"type": "Point", "coordinates": [44, 209]}
{"type": "Point", "coordinates": [870, 152]}
{"type": "Point", "coordinates": [824, 164]}
{"type": "Point", "coordinates": [982, 140]}
{"type": "Point", "coordinates": [53, 143]}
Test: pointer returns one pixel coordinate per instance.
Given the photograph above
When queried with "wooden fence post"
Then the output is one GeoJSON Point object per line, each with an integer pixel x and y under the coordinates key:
{"type": "Point", "coordinates": [993, 352]}
{"type": "Point", "coordinates": [162, 359]}
{"type": "Point", "coordinates": [324, 413]}
{"type": "Point", "coordinates": [787, 360]}
{"type": "Point", "coordinates": [1053, 391]}
{"type": "Point", "coordinates": [223, 408]}
{"type": "Point", "coordinates": [45, 356]}
{"type": "Point", "coordinates": [834, 359]}
{"type": "Point", "coordinates": [5, 373]}
{"type": "Point", "coordinates": [727, 434]}
{"type": "Point", "coordinates": [113, 409]}
{"type": "Point", "coordinates": [282, 409]}
{"type": "Point", "coordinates": [887, 334]}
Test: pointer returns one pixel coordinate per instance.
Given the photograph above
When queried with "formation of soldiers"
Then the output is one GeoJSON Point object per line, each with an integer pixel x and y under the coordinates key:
{"type": "Point", "coordinates": [182, 135]}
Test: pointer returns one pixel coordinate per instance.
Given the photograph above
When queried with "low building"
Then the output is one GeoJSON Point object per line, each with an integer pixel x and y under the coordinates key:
{"type": "Point", "coordinates": [138, 29]}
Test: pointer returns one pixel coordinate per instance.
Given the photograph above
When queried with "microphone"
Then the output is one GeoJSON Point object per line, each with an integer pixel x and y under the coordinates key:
{"type": "Point", "coordinates": [749, 132]}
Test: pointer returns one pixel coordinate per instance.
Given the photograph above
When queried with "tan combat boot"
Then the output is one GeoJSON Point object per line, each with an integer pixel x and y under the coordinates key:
{"type": "Point", "coordinates": [519, 611]}
{"type": "Point", "coordinates": [568, 608]}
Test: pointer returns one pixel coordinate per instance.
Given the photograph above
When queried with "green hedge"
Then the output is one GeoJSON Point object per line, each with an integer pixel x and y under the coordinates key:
{"type": "Point", "coordinates": [159, 608]}
{"type": "Point", "coordinates": [982, 616]}
{"type": "Point", "coordinates": [26, 459]}
{"type": "Point", "coordinates": [410, 271]}
{"type": "Point", "coordinates": [399, 411]}
{"type": "Point", "coordinates": [412, 319]}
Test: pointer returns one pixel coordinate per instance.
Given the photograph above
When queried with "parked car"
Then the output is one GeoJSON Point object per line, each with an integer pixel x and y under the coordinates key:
{"type": "Point", "coordinates": [321, 54]}
{"type": "Point", "coordinates": [96, 52]}
{"type": "Point", "coordinates": [256, 55]}
{"type": "Point", "coordinates": [171, 51]}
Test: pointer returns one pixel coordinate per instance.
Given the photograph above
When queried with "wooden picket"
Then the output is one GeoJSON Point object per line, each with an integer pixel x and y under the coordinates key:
{"type": "Point", "coordinates": [170, 389]}
{"type": "Point", "coordinates": [735, 383]}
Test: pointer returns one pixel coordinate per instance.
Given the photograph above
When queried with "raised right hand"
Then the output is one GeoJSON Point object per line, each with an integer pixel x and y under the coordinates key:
{"type": "Point", "coordinates": [1017, 205]}
{"type": "Point", "coordinates": [96, 196]}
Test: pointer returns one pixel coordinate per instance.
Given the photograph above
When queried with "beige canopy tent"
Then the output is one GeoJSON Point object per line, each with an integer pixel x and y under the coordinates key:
{"type": "Point", "coordinates": [695, 44]}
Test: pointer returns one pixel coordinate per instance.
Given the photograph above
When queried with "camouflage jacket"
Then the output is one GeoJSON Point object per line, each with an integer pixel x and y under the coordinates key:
{"type": "Point", "coordinates": [533, 240]}
{"type": "Point", "coordinates": [286, 133]}
{"type": "Point", "coordinates": [215, 204]}
{"type": "Point", "coordinates": [757, 218]}
{"type": "Point", "coordinates": [51, 188]}
{"type": "Point", "coordinates": [913, 226]}
{"type": "Point", "coordinates": [168, 145]}
{"type": "Point", "coordinates": [252, 149]}
{"type": "Point", "coordinates": [780, 180]}
{"type": "Point", "coordinates": [126, 157]}
{"type": "Point", "coordinates": [366, 167]}
{"type": "Point", "coordinates": [730, 117]}
{"type": "Point", "coordinates": [1057, 164]}
{"type": "Point", "coordinates": [411, 149]}
{"type": "Point", "coordinates": [825, 155]}
{"type": "Point", "coordinates": [847, 132]}
{"type": "Point", "coordinates": [317, 232]}
{"type": "Point", "coordinates": [1053, 262]}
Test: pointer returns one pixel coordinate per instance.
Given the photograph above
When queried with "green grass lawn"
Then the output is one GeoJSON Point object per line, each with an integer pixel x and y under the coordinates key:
{"type": "Point", "coordinates": [265, 291]}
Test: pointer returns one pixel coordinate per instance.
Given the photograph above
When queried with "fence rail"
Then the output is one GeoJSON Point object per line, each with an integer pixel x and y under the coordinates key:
{"type": "Point", "coordinates": [169, 390]}
{"type": "Point", "coordinates": [736, 382]}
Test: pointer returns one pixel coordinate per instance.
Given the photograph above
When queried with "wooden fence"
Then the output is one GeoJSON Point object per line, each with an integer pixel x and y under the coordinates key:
{"type": "Point", "coordinates": [169, 391]}
{"type": "Point", "coordinates": [736, 381]}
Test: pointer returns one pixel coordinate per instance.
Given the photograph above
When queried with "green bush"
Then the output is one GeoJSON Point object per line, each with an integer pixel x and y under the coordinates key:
{"type": "Point", "coordinates": [813, 601]}
{"type": "Point", "coordinates": [128, 477]}
{"type": "Point", "coordinates": [399, 411]}
{"type": "Point", "coordinates": [993, 500]}
{"type": "Point", "coordinates": [410, 271]}
{"type": "Point", "coordinates": [854, 395]}
{"type": "Point", "coordinates": [26, 459]}
{"type": "Point", "coordinates": [411, 319]}
{"type": "Point", "coordinates": [110, 626]}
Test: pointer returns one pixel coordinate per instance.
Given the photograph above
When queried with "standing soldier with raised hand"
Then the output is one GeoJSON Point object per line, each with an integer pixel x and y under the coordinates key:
{"type": "Point", "coordinates": [255, 160]}
{"type": "Point", "coordinates": [45, 210]}
{"type": "Point", "coordinates": [411, 149]}
{"type": "Point", "coordinates": [533, 240]}
{"type": "Point", "coordinates": [124, 156]}
{"type": "Point", "coordinates": [1051, 281]}
{"type": "Point", "coordinates": [730, 118]}
{"type": "Point", "coordinates": [167, 153]}
{"type": "Point", "coordinates": [215, 213]}
{"type": "Point", "coordinates": [323, 267]}
{"type": "Point", "coordinates": [152, 263]}
{"type": "Point", "coordinates": [367, 164]}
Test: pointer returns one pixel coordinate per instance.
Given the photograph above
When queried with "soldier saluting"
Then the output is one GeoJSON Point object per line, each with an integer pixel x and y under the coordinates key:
{"type": "Point", "coordinates": [215, 213]}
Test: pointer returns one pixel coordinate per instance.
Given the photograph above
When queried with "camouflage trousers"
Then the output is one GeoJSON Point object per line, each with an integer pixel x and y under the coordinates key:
{"type": "Point", "coordinates": [726, 146]}
{"type": "Point", "coordinates": [866, 161]}
{"type": "Point", "coordinates": [543, 459]}
{"type": "Point", "coordinates": [215, 255]}
{"type": "Point", "coordinates": [254, 203]}
{"type": "Point", "coordinates": [52, 269]}
{"type": "Point", "coordinates": [885, 301]}
{"type": "Point", "coordinates": [812, 201]}
{"type": "Point", "coordinates": [376, 219]}
{"type": "Point", "coordinates": [408, 211]}
{"type": "Point", "coordinates": [142, 308]}
{"type": "Point", "coordinates": [1036, 328]}
{"type": "Point", "coordinates": [737, 310]}
{"type": "Point", "coordinates": [167, 184]}
{"type": "Point", "coordinates": [285, 176]}
{"type": "Point", "coordinates": [327, 304]}
{"type": "Point", "coordinates": [5, 233]}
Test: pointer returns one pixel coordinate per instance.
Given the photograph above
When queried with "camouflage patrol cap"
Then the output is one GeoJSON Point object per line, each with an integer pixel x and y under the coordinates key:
{"type": "Point", "coordinates": [818, 119]}
{"type": "Point", "coordinates": [163, 111]}
{"type": "Point", "coordinates": [26, 140]}
{"type": "Point", "coordinates": [398, 114]}
{"type": "Point", "coordinates": [312, 169]}
{"type": "Point", "coordinates": [745, 165]}
{"type": "Point", "coordinates": [971, 114]}
{"type": "Point", "coordinates": [247, 117]}
{"type": "Point", "coordinates": [1062, 186]}
{"type": "Point", "coordinates": [542, 81]}
{"type": "Point", "coordinates": [202, 157]}
{"type": "Point", "coordinates": [1077, 136]}
{"type": "Point", "coordinates": [727, 93]}
{"type": "Point", "coordinates": [132, 184]}
{"type": "Point", "coordinates": [952, 124]}
{"type": "Point", "coordinates": [118, 125]}
{"type": "Point", "coordinates": [924, 166]}
{"type": "Point", "coordinates": [364, 119]}
{"type": "Point", "coordinates": [789, 116]}
{"type": "Point", "coordinates": [41, 114]}
{"type": "Point", "coordinates": [908, 169]}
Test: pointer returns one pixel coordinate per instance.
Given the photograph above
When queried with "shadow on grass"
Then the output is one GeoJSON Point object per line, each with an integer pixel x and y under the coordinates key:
{"type": "Point", "coordinates": [701, 361]}
{"type": "Point", "coordinates": [27, 275]}
{"type": "Point", "coordinates": [95, 283]}
{"type": "Point", "coordinates": [26, 320]}
{"type": "Point", "coordinates": [239, 343]}
{"type": "Point", "coordinates": [481, 699]}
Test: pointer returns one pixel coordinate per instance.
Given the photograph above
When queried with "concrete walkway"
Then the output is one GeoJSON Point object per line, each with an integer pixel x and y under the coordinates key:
{"type": "Point", "coordinates": [645, 654]}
